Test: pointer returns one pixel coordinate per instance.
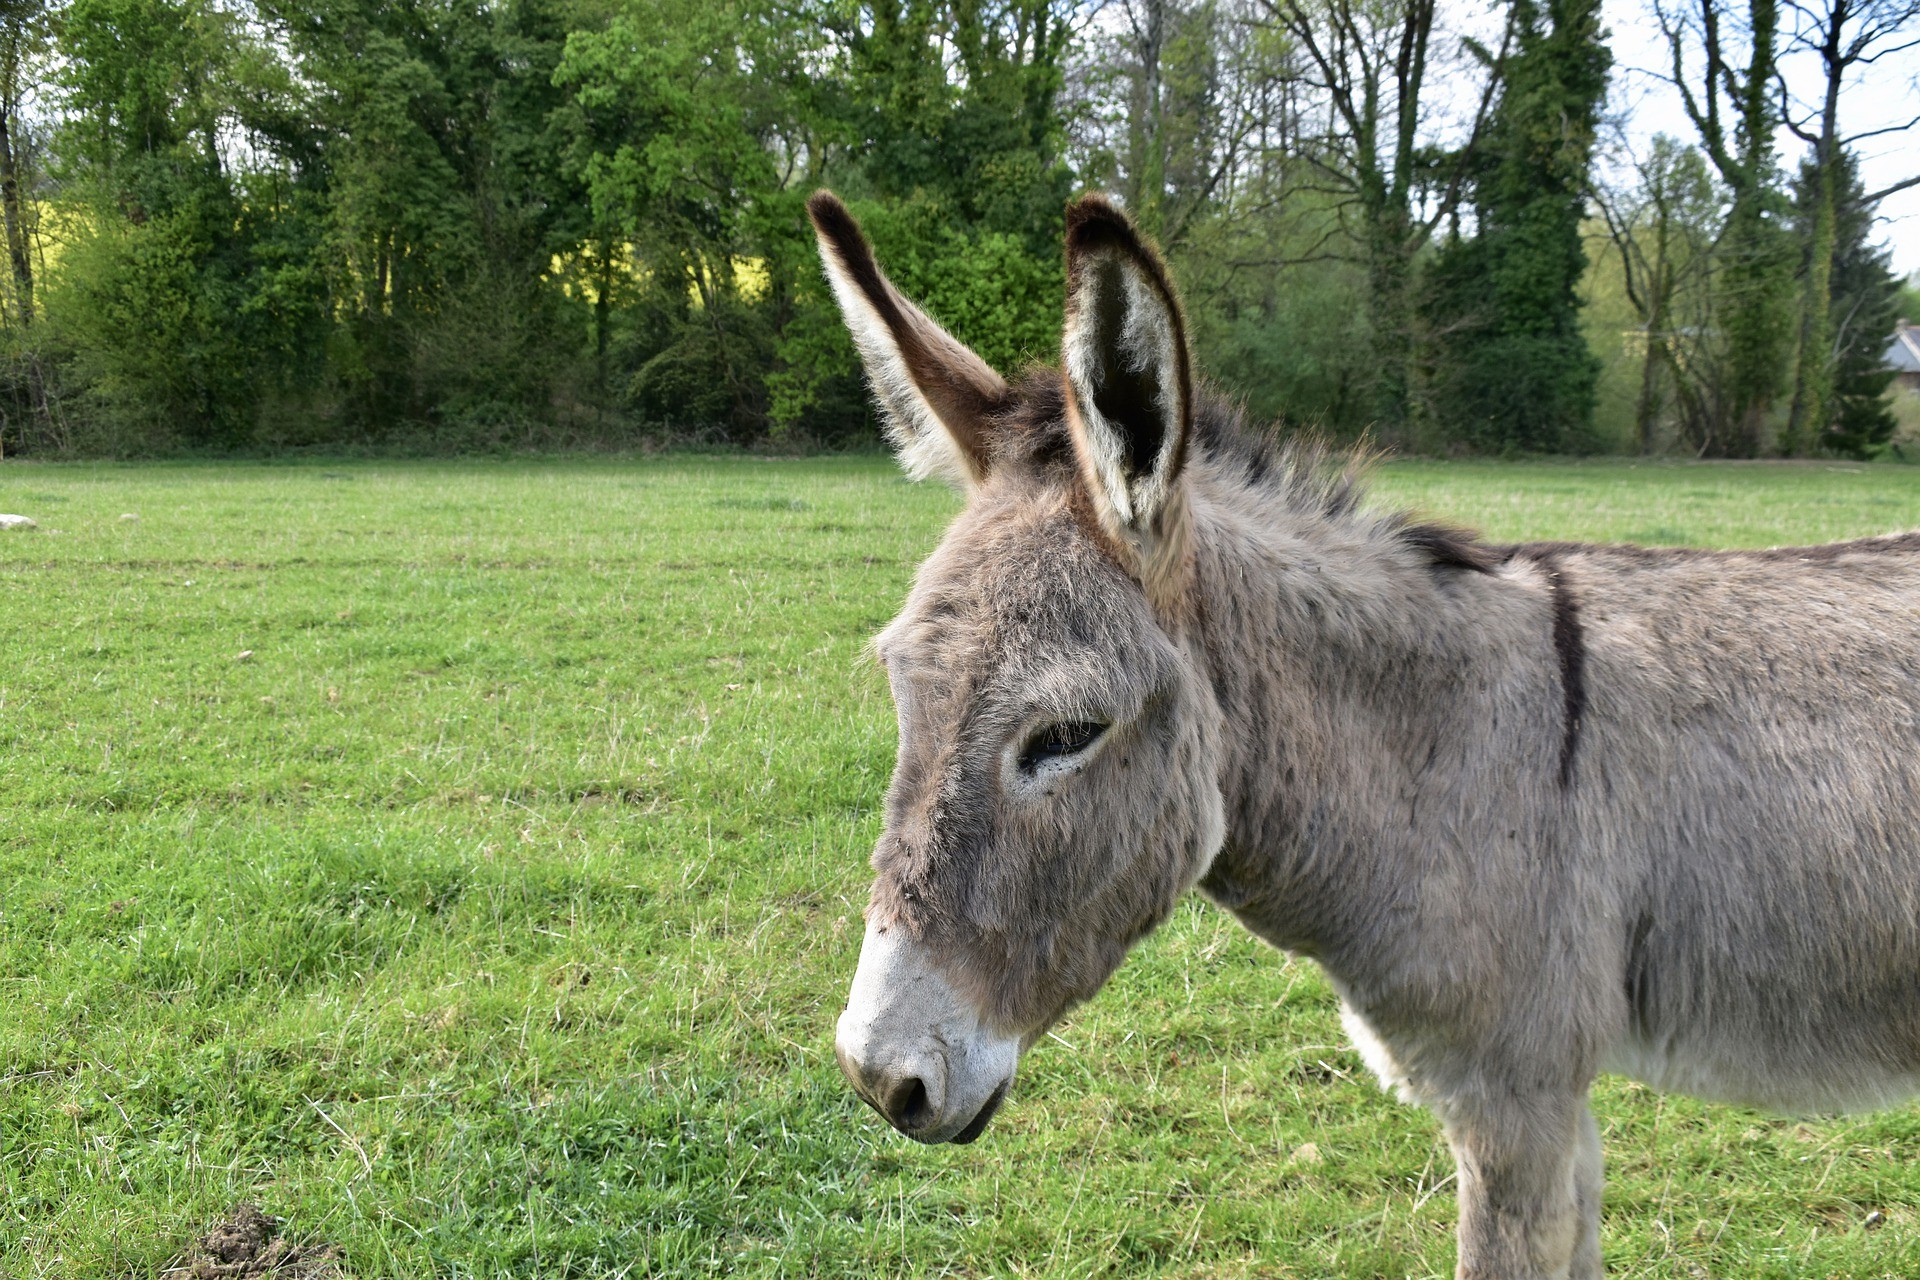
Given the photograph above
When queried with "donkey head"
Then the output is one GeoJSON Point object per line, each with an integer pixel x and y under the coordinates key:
{"type": "Point", "coordinates": [1056, 786]}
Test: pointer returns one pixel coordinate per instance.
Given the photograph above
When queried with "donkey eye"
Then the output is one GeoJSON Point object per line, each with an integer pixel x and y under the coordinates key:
{"type": "Point", "coordinates": [1058, 741]}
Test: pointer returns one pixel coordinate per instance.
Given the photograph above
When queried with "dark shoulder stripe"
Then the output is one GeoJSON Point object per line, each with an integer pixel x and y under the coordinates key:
{"type": "Point", "coordinates": [1570, 647]}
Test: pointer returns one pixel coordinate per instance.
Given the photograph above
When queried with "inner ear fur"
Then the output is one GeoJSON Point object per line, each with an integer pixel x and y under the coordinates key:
{"type": "Point", "coordinates": [937, 398]}
{"type": "Point", "coordinates": [1130, 382]}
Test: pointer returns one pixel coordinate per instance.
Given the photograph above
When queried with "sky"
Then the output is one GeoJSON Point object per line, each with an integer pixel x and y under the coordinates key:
{"type": "Point", "coordinates": [1887, 94]}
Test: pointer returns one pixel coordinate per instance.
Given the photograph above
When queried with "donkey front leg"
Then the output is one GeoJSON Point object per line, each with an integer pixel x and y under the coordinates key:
{"type": "Point", "coordinates": [1529, 1185]}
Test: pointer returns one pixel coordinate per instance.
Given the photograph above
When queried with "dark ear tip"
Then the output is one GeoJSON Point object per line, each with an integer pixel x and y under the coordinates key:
{"type": "Point", "coordinates": [830, 218]}
{"type": "Point", "coordinates": [1092, 221]}
{"type": "Point", "coordinates": [824, 204]}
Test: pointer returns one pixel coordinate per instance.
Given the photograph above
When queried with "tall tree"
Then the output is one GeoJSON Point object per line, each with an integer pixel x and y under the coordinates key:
{"type": "Point", "coordinates": [1844, 35]}
{"type": "Point", "coordinates": [1518, 371]}
{"type": "Point", "coordinates": [26, 29]}
{"type": "Point", "coordinates": [957, 101]}
{"type": "Point", "coordinates": [1862, 297]}
{"type": "Point", "coordinates": [685, 109]}
{"type": "Point", "coordinates": [1372, 66]}
{"type": "Point", "coordinates": [158, 275]}
{"type": "Point", "coordinates": [1193, 95]}
{"type": "Point", "coordinates": [1735, 111]}
{"type": "Point", "coordinates": [1663, 229]}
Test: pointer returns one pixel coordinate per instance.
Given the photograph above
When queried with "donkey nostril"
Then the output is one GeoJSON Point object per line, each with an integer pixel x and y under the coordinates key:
{"type": "Point", "coordinates": [907, 1103]}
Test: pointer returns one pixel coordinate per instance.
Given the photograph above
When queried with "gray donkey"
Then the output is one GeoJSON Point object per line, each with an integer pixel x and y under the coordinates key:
{"type": "Point", "coordinates": [1539, 811]}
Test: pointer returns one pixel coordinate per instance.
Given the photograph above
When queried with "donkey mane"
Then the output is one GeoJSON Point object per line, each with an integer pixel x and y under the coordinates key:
{"type": "Point", "coordinates": [1303, 475]}
{"type": "Point", "coordinates": [1300, 474]}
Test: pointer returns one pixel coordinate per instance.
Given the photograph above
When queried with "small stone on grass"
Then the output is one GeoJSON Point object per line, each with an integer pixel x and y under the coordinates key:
{"type": "Point", "coordinates": [18, 522]}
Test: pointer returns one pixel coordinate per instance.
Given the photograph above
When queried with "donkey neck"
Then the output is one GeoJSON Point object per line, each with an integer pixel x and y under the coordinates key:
{"type": "Point", "coordinates": [1369, 699]}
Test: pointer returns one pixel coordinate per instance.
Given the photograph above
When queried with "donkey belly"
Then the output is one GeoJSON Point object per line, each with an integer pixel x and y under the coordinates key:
{"type": "Point", "coordinates": [1756, 1075]}
{"type": "Point", "coordinates": [1798, 1039]}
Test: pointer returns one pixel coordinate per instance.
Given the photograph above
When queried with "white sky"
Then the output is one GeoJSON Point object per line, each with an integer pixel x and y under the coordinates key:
{"type": "Point", "coordinates": [1886, 94]}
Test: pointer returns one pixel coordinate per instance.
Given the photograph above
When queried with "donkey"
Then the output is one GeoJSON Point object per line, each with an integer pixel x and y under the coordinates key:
{"type": "Point", "coordinates": [1539, 811]}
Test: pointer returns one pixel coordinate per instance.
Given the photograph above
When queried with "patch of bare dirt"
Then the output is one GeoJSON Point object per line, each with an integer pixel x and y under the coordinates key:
{"type": "Point", "coordinates": [249, 1246]}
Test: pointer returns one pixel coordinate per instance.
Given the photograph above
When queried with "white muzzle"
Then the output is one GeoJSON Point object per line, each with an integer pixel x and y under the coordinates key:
{"type": "Point", "coordinates": [914, 1051]}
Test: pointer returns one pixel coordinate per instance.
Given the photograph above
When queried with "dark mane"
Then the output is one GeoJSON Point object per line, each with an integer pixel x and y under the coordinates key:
{"type": "Point", "coordinates": [1301, 472]}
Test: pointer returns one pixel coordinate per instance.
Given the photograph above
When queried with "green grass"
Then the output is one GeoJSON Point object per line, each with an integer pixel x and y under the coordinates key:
{"type": "Point", "coordinates": [490, 918]}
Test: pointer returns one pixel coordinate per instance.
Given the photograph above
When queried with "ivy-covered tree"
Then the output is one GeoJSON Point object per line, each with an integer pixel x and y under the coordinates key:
{"type": "Point", "coordinates": [1514, 371]}
{"type": "Point", "coordinates": [1733, 102]}
{"type": "Point", "coordinates": [1863, 308]}
{"type": "Point", "coordinates": [1843, 36]}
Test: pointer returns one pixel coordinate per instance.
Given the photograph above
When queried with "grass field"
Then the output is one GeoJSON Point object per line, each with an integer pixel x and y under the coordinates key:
{"type": "Point", "coordinates": [464, 862]}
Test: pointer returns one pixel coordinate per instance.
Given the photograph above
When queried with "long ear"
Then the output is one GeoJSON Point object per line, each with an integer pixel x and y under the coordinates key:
{"type": "Point", "coordinates": [937, 396]}
{"type": "Point", "coordinates": [1130, 383]}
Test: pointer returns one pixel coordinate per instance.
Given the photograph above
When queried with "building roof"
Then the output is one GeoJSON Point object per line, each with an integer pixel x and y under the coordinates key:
{"type": "Point", "coordinates": [1903, 353]}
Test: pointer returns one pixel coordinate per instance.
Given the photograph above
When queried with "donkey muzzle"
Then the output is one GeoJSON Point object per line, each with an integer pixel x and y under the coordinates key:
{"type": "Point", "coordinates": [914, 1051]}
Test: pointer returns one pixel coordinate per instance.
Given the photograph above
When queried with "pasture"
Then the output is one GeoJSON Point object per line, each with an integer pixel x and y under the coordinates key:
{"type": "Point", "coordinates": [464, 861]}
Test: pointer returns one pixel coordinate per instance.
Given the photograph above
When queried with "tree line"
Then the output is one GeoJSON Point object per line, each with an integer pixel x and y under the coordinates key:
{"type": "Point", "coordinates": [250, 224]}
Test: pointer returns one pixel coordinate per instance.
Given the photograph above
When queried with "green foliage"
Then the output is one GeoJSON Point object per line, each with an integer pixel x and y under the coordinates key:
{"type": "Point", "coordinates": [176, 295]}
{"type": "Point", "coordinates": [543, 222]}
{"type": "Point", "coordinates": [690, 120]}
{"type": "Point", "coordinates": [1753, 306]}
{"type": "Point", "coordinates": [151, 308]}
{"type": "Point", "coordinates": [1293, 345]}
{"type": "Point", "coordinates": [339, 227]}
{"type": "Point", "coordinates": [957, 103]}
{"type": "Point", "coordinates": [675, 109]}
{"type": "Point", "coordinates": [986, 286]}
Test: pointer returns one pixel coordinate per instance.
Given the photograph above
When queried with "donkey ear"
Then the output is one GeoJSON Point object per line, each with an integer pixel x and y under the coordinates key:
{"type": "Point", "coordinates": [1128, 374]}
{"type": "Point", "coordinates": [936, 395]}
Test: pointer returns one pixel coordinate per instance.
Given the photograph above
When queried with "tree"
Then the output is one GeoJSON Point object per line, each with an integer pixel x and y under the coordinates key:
{"type": "Point", "coordinates": [1844, 35]}
{"type": "Point", "coordinates": [26, 31]}
{"type": "Point", "coordinates": [679, 94]}
{"type": "Point", "coordinates": [1377, 154]}
{"type": "Point", "coordinates": [1863, 303]}
{"type": "Point", "coordinates": [430, 145]}
{"type": "Point", "coordinates": [1517, 372]}
{"type": "Point", "coordinates": [156, 283]}
{"type": "Point", "coordinates": [1733, 108]}
{"type": "Point", "coordinates": [1663, 230]}
{"type": "Point", "coordinates": [1190, 99]}
{"type": "Point", "coordinates": [957, 102]}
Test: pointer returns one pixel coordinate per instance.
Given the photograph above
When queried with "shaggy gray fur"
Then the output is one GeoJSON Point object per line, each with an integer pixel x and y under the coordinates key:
{"type": "Point", "coordinates": [1538, 811]}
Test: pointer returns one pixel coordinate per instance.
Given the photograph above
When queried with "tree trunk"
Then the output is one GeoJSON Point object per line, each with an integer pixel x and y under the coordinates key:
{"type": "Point", "coordinates": [1391, 311]}
{"type": "Point", "coordinates": [1754, 329]}
{"type": "Point", "coordinates": [1813, 374]}
{"type": "Point", "coordinates": [602, 312]}
{"type": "Point", "coordinates": [1754, 274]}
{"type": "Point", "coordinates": [1646, 412]}
{"type": "Point", "coordinates": [19, 257]}
{"type": "Point", "coordinates": [1146, 141]}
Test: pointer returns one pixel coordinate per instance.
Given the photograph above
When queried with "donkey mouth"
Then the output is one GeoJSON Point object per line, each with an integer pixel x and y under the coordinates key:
{"type": "Point", "coordinates": [978, 1125]}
